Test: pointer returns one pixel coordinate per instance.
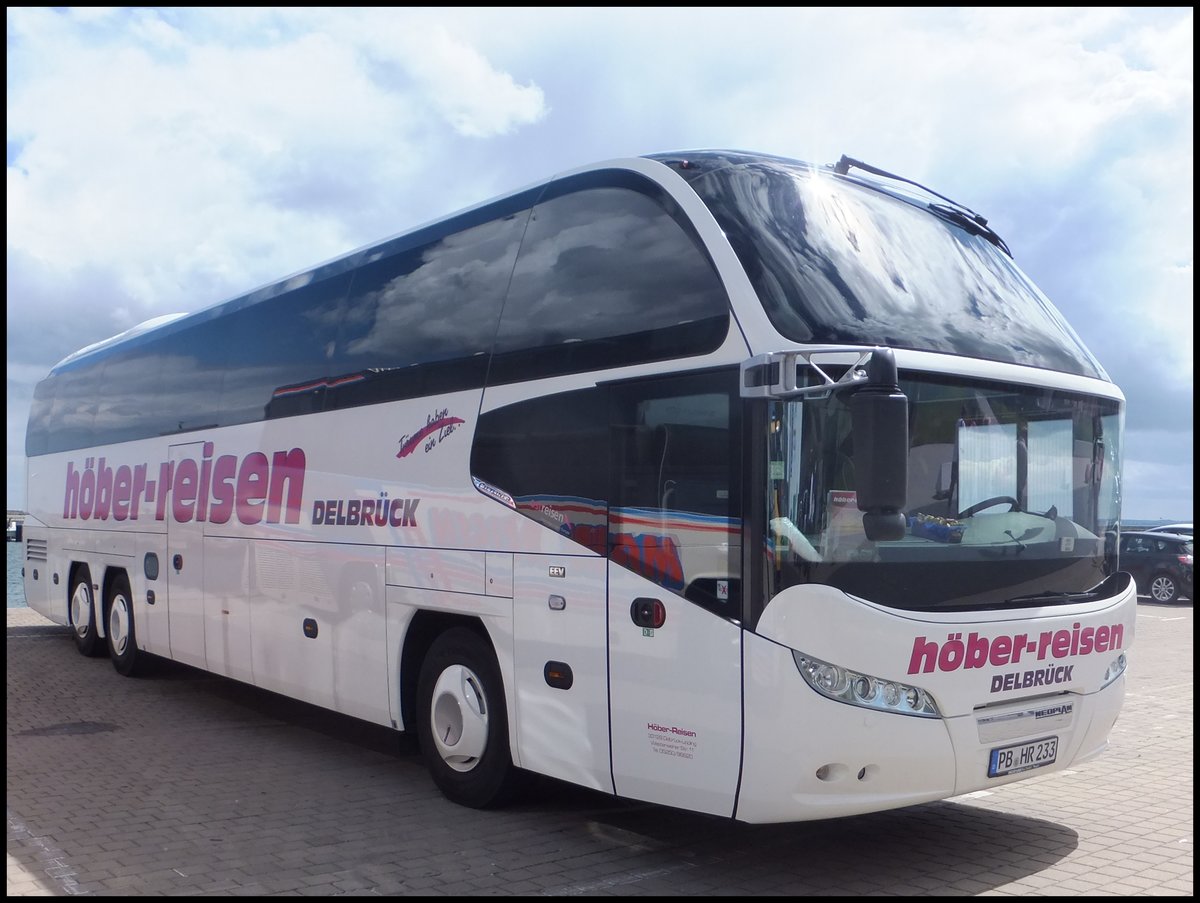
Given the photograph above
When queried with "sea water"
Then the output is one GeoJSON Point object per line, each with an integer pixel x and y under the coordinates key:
{"type": "Point", "coordinates": [16, 586]}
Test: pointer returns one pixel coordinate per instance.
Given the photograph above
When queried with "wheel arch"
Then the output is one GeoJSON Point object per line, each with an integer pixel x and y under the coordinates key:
{"type": "Point", "coordinates": [111, 574]}
{"type": "Point", "coordinates": [425, 627]}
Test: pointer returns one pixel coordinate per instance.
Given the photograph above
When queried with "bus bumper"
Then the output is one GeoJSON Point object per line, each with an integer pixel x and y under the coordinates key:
{"type": "Point", "coordinates": [807, 757]}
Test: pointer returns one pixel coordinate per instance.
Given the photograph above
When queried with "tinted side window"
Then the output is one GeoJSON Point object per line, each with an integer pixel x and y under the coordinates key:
{"type": "Point", "coordinates": [552, 456]}
{"type": "Point", "coordinates": [1133, 544]}
{"type": "Point", "coordinates": [422, 319]}
{"type": "Point", "coordinates": [73, 412]}
{"type": "Point", "coordinates": [281, 352]}
{"type": "Point", "coordinates": [676, 516]}
{"type": "Point", "coordinates": [131, 394]}
{"type": "Point", "coordinates": [607, 276]}
{"type": "Point", "coordinates": [646, 472]}
{"type": "Point", "coordinates": [415, 315]}
{"type": "Point", "coordinates": [38, 436]}
{"type": "Point", "coordinates": [190, 365]}
{"type": "Point", "coordinates": [158, 386]}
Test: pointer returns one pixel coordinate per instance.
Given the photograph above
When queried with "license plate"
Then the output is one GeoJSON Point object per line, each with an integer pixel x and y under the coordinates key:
{"type": "Point", "coordinates": [1023, 756]}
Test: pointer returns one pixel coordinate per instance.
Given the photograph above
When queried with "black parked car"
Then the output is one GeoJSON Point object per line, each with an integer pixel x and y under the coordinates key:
{"type": "Point", "coordinates": [1161, 563]}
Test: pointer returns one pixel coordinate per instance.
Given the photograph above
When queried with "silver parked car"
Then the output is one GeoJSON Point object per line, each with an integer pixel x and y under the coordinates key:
{"type": "Point", "coordinates": [1181, 529]}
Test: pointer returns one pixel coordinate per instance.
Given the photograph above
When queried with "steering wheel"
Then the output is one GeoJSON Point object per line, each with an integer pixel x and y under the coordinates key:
{"type": "Point", "coordinates": [988, 503]}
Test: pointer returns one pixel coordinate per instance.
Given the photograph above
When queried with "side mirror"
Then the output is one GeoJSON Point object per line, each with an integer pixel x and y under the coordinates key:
{"type": "Point", "coordinates": [879, 418]}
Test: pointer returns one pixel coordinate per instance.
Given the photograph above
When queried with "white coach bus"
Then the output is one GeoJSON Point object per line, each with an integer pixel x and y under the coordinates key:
{"type": "Point", "coordinates": [716, 480]}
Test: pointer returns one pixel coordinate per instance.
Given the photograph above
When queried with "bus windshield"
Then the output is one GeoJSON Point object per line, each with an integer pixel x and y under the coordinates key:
{"type": "Point", "coordinates": [1012, 493]}
{"type": "Point", "coordinates": [836, 261]}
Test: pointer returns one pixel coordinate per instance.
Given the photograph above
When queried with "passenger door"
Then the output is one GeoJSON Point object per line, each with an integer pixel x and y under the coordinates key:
{"type": "Point", "coordinates": [674, 598]}
{"type": "Point", "coordinates": [640, 480]}
{"type": "Point", "coordinates": [675, 698]}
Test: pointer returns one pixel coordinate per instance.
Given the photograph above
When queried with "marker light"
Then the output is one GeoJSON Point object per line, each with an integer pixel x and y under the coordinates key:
{"type": "Point", "coordinates": [864, 690]}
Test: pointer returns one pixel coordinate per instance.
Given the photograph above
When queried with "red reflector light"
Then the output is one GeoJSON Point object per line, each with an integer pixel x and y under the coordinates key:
{"type": "Point", "coordinates": [658, 615]}
{"type": "Point", "coordinates": [648, 613]}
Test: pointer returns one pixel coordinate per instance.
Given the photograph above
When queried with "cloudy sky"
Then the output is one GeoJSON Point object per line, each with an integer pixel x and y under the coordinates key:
{"type": "Point", "coordinates": [160, 160]}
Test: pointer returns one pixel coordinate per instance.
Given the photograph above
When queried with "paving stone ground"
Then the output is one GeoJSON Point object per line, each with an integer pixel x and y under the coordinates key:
{"type": "Point", "coordinates": [188, 784]}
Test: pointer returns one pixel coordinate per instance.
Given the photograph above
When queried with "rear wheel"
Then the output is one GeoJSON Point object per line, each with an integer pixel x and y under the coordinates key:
{"type": "Point", "coordinates": [1164, 588]}
{"type": "Point", "coordinates": [462, 721]}
{"type": "Point", "coordinates": [122, 639]}
{"type": "Point", "coordinates": [83, 613]}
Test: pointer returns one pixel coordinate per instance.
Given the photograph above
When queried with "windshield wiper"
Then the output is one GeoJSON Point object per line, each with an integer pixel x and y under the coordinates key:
{"type": "Point", "coordinates": [952, 211]}
{"type": "Point", "coordinates": [973, 223]}
{"type": "Point", "coordinates": [1057, 596]}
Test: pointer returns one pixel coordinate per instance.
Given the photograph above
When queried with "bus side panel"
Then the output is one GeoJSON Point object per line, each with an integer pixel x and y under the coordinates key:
{"type": "Point", "coordinates": [43, 593]}
{"type": "Point", "coordinates": [227, 607]}
{"type": "Point", "coordinates": [318, 626]}
{"type": "Point", "coordinates": [185, 573]}
{"type": "Point", "coordinates": [561, 669]}
{"type": "Point", "coordinates": [42, 545]}
{"type": "Point", "coordinates": [676, 700]}
{"type": "Point", "coordinates": [152, 618]}
{"type": "Point", "coordinates": [50, 555]}
{"type": "Point", "coordinates": [106, 553]}
{"type": "Point", "coordinates": [149, 597]}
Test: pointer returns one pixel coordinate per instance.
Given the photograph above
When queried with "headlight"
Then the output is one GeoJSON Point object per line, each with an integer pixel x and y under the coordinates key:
{"type": "Point", "coordinates": [870, 692]}
{"type": "Point", "coordinates": [1115, 669]}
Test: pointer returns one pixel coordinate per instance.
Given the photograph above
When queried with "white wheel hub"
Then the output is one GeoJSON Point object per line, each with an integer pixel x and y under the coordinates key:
{"type": "Point", "coordinates": [118, 623]}
{"type": "Point", "coordinates": [81, 610]}
{"type": "Point", "coordinates": [459, 718]}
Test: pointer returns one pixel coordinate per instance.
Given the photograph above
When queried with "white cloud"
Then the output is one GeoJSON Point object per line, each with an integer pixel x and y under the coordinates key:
{"type": "Point", "coordinates": [1156, 480]}
{"type": "Point", "coordinates": [476, 99]}
{"type": "Point", "coordinates": [207, 159]}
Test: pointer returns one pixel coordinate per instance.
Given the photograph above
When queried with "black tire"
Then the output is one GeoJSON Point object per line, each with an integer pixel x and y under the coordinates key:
{"type": "Point", "coordinates": [82, 611]}
{"type": "Point", "coordinates": [122, 637]}
{"type": "Point", "coordinates": [1164, 588]}
{"type": "Point", "coordinates": [462, 721]}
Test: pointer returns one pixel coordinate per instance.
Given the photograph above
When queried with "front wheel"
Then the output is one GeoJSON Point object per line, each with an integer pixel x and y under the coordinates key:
{"type": "Point", "coordinates": [462, 721]}
{"type": "Point", "coordinates": [1163, 588]}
